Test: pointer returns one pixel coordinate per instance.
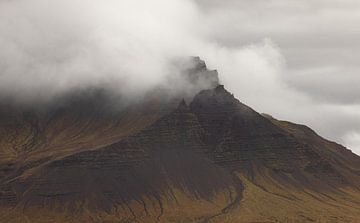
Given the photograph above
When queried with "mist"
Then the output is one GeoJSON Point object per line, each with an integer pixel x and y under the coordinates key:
{"type": "Point", "coordinates": [50, 48]}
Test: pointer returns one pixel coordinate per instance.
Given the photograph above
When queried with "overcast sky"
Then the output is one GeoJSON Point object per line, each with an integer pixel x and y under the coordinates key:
{"type": "Point", "coordinates": [319, 41]}
{"type": "Point", "coordinates": [296, 60]}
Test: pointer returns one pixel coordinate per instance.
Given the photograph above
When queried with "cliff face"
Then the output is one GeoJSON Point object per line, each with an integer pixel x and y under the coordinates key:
{"type": "Point", "coordinates": [212, 159]}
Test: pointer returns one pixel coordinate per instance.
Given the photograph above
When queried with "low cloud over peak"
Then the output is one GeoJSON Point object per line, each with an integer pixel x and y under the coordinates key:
{"type": "Point", "coordinates": [270, 55]}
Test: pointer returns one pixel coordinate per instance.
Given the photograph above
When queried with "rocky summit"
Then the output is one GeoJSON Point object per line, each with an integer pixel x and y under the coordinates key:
{"type": "Point", "coordinates": [205, 158]}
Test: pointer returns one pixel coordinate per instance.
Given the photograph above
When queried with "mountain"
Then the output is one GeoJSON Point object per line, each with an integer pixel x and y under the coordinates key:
{"type": "Point", "coordinates": [205, 158]}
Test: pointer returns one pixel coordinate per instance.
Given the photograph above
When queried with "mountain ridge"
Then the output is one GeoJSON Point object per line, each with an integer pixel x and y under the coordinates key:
{"type": "Point", "coordinates": [204, 158]}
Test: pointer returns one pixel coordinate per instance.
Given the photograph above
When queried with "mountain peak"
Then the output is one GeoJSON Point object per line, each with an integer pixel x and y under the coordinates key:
{"type": "Point", "coordinates": [155, 160]}
{"type": "Point", "coordinates": [200, 75]}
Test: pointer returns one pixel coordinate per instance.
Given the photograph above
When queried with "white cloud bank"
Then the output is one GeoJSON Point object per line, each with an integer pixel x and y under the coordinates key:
{"type": "Point", "coordinates": [51, 47]}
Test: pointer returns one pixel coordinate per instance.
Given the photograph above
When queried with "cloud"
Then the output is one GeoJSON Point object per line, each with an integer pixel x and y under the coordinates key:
{"type": "Point", "coordinates": [49, 48]}
{"type": "Point", "coordinates": [129, 46]}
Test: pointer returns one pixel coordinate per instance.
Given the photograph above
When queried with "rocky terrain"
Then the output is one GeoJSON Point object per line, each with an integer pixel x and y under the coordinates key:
{"type": "Point", "coordinates": [204, 158]}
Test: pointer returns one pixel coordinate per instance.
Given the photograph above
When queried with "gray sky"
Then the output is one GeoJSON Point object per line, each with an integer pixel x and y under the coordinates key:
{"type": "Point", "coordinates": [297, 60]}
{"type": "Point", "coordinates": [319, 42]}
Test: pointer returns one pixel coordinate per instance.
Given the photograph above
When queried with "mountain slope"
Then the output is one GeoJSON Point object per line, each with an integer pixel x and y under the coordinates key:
{"type": "Point", "coordinates": [212, 159]}
{"type": "Point", "coordinates": [34, 134]}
